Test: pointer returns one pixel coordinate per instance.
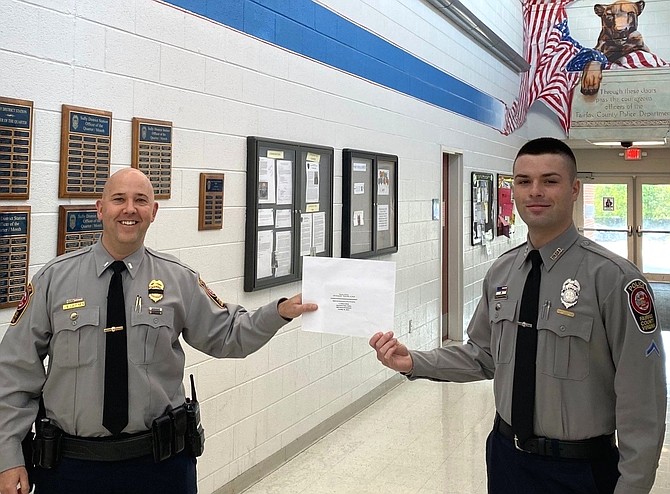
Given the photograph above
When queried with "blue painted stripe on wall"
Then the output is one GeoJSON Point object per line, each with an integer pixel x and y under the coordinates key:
{"type": "Point", "coordinates": [309, 29]}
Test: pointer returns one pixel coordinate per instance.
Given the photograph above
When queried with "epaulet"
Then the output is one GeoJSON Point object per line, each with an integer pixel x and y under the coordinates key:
{"type": "Point", "coordinates": [169, 258]}
{"type": "Point", "coordinates": [513, 249]}
{"type": "Point", "coordinates": [68, 255]}
{"type": "Point", "coordinates": [623, 263]}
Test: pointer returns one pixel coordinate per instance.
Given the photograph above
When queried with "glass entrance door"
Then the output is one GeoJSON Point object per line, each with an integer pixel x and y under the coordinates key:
{"type": "Point", "coordinates": [605, 215]}
{"type": "Point", "coordinates": [652, 227]}
{"type": "Point", "coordinates": [629, 216]}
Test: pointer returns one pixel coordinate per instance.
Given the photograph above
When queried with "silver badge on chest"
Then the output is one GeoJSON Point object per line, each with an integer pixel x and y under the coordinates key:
{"type": "Point", "coordinates": [570, 293]}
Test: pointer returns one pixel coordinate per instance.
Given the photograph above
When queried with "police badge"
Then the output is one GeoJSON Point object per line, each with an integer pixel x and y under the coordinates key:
{"type": "Point", "coordinates": [570, 293]}
{"type": "Point", "coordinates": [156, 290]}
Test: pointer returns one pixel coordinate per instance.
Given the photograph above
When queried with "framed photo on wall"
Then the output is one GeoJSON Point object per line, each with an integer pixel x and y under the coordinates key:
{"type": "Point", "coordinates": [505, 220]}
{"type": "Point", "coordinates": [482, 208]}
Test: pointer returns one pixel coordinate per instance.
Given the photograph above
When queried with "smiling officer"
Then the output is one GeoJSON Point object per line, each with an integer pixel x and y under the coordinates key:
{"type": "Point", "coordinates": [568, 332]}
{"type": "Point", "coordinates": [112, 413]}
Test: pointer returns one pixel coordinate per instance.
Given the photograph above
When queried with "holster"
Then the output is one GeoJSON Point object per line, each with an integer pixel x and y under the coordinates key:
{"type": "Point", "coordinates": [46, 451]}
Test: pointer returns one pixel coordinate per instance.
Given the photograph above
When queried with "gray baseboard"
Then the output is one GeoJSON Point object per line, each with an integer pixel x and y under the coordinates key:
{"type": "Point", "coordinates": [270, 464]}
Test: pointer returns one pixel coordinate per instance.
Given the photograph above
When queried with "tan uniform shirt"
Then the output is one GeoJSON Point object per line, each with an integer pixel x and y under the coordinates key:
{"type": "Point", "coordinates": [64, 319]}
{"type": "Point", "coordinates": [600, 362]}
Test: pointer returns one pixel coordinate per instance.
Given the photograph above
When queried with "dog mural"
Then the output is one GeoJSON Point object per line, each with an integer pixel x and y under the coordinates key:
{"type": "Point", "coordinates": [619, 38]}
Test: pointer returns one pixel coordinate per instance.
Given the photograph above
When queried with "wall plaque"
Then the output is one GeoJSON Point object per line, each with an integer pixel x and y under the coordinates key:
{"type": "Point", "coordinates": [86, 140]}
{"type": "Point", "coordinates": [152, 153]}
{"type": "Point", "coordinates": [210, 210]}
{"type": "Point", "coordinates": [14, 248]}
{"type": "Point", "coordinates": [78, 227]}
{"type": "Point", "coordinates": [16, 123]}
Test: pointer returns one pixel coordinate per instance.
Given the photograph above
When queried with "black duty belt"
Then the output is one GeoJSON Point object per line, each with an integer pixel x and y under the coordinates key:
{"type": "Point", "coordinates": [587, 449]}
{"type": "Point", "coordinates": [107, 449]}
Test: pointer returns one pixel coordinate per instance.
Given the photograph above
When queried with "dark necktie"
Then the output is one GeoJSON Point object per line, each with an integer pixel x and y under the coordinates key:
{"type": "Point", "coordinates": [523, 392]}
{"type": "Point", "coordinates": [115, 407]}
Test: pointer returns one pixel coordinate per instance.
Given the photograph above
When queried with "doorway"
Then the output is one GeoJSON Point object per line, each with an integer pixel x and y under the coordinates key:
{"type": "Point", "coordinates": [629, 216]}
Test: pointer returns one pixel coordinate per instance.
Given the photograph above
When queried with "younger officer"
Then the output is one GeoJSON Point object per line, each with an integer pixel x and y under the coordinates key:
{"type": "Point", "coordinates": [104, 410]}
{"type": "Point", "coordinates": [595, 365]}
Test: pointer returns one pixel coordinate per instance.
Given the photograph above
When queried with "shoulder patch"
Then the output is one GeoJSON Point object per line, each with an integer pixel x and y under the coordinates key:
{"type": "Point", "coordinates": [641, 305]}
{"type": "Point", "coordinates": [23, 304]}
{"type": "Point", "coordinates": [211, 294]}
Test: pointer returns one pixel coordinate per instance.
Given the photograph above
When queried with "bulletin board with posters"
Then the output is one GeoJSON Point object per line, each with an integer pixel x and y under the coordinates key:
{"type": "Point", "coordinates": [289, 210]}
{"type": "Point", "coordinates": [482, 208]}
{"type": "Point", "coordinates": [369, 204]}
{"type": "Point", "coordinates": [505, 220]}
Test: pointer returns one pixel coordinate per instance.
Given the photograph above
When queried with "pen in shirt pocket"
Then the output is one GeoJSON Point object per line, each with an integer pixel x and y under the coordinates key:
{"type": "Point", "coordinates": [138, 304]}
{"type": "Point", "coordinates": [546, 307]}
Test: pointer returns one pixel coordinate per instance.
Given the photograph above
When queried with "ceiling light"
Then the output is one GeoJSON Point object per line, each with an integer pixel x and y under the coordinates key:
{"type": "Point", "coordinates": [633, 143]}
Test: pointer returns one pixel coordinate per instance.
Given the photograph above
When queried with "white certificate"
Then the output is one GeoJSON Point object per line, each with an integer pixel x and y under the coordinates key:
{"type": "Point", "coordinates": [266, 217]}
{"type": "Point", "coordinates": [356, 297]}
{"type": "Point", "coordinates": [284, 182]}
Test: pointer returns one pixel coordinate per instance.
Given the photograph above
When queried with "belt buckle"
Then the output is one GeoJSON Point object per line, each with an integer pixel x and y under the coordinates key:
{"type": "Point", "coordinates": [517, 444]}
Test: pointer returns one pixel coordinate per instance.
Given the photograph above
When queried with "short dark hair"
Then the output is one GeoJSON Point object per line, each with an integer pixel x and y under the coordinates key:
{"type": "Point", "coordinates": [549, 145]}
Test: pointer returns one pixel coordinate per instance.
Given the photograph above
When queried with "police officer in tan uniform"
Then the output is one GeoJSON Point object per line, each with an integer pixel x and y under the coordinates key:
{"type": "Point", "coordinates": [599, 363]}
{"type": "Point", "coordinates": [62, 317]}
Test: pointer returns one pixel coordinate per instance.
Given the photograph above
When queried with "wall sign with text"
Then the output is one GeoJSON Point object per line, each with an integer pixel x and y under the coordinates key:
{"type": "Point", "coordinates": [210, 206]}
{"type": "Point", "coordinates": [152, 153]}
{"type": "Point", "coordinates": [14, 249]}
{"type": "Point", "coordinates": [78, 227]}
{"type": "Point", "coordinates": [16, 123]}
{"type": "Point", "coordinates": [86, 147]}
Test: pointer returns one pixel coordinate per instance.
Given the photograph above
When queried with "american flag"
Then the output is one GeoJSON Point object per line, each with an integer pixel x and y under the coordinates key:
{"type": "Point", "coordinates": [556, 61]}
{"type": "Point", "coordinates": [547, 48]}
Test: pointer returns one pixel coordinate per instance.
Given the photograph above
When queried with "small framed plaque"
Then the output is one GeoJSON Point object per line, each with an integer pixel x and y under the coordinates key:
{"type": "Point", "coordinates": [210, 209]}
{"type": "Point", "coordinates": [16, 123]}
{"type": "Point", "coordinates": [152, 153]}
{"type": "Point", "coordinates": [78, 227]}
{"type": "Point", "coordinates": [85, 151]}
{"type": "Point", "coordinates": [14, 249]}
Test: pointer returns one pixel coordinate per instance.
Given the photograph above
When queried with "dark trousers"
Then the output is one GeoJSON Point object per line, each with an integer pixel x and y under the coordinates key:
{"type": "Point", "coordinates": [138, 476]}
{"type": "Point", "coordinates": [511, 471]}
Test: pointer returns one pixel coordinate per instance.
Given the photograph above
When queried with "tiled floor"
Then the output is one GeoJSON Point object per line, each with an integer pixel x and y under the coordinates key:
{"type": "Point", "coordinates": [422, 437]}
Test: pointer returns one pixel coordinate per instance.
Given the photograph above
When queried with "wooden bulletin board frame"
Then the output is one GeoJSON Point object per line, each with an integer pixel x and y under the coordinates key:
{"type": "Point", "coordinates": [16, 143]}
{"type": "Point", "coordinates": [289, 209]}
{"type": "Point", "coordinates": [369, 204]}
{"type": "Point", "coordinates": [14, 254]}
{"type": "Point", "coordinates": [78, 227]}
{"type": "Point", "coordinates": [85, 151]}
{"type": "Point", "coordinates": [210, 204]}
{"type": "Point", "coordinates": [482, 208]}
{"type": "Point", "coordinates": [152, 153]}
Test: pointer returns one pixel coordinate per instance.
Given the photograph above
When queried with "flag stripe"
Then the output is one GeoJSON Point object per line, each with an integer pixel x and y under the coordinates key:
{"type": "Point", "coordinates": [548, 48]}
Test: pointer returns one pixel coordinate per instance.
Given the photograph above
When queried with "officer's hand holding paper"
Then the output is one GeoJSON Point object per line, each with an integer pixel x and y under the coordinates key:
{"type": "Point", "coordinates": [355, 297]}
